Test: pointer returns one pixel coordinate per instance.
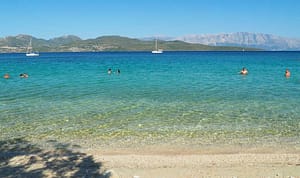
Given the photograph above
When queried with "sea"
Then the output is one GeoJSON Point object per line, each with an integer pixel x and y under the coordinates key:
{"type": "Point", "coordinates": [183, 98]}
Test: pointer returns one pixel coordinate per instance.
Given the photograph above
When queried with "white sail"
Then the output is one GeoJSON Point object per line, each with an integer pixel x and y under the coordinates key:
{"type": "Point", "coordinates": [157, 51]}
{"type": "Point", "coordinates": [29, 52]}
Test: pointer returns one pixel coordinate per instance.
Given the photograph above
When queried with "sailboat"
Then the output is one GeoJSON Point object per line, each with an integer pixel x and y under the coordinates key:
{"type": "Point", "coordinates": [29, 52]}
{"type": "Point", "coordinates": [157, 51]}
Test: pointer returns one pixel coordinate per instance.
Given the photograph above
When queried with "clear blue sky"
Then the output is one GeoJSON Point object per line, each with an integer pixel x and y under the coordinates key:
{"type": "Point", "coordinates": [144, 18]}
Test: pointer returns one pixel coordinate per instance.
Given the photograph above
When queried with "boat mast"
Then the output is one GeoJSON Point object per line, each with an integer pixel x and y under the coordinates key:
{"type": "Point", "coordinates": [156, 48]}
{"type": "Point", "coordinates": [29, 48]}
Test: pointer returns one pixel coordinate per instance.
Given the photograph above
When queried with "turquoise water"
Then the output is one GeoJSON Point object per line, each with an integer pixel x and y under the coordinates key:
{"type": "Point", "coordinates": [175, 97]}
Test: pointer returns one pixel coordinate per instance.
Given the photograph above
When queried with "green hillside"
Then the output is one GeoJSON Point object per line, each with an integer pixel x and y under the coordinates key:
{"type": "Point", "coordinates": [105, 43]}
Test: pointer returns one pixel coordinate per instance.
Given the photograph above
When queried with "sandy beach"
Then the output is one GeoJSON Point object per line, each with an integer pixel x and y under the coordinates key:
{"type": "Point", "coordinates": [199, 163]}
{"type": "Point", "coordinates": [21, 158]}
{"type": "Point", "coordinates": [229, 165]}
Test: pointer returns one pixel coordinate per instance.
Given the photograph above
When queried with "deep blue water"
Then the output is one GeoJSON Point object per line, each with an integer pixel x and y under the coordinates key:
{"type": "Point", "coordinates": [195, 96]}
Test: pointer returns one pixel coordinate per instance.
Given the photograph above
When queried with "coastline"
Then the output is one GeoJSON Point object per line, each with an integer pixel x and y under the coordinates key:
{"type": "Point", "coordinates": [208, 161]}
{"type": "Point", "coordinates": [61, 159]}
{"type": "Point", "coordinates": [213, 160]}
{"type": "Point", "coordinates": [202, 165]}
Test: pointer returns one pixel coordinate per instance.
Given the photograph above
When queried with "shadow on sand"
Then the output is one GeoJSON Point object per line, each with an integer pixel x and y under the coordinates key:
{"type": "Point", "coordinates": [19, 158]}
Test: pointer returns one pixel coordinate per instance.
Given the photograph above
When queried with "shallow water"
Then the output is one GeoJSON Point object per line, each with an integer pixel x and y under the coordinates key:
{"type": "Point", "coordinates": [175, 97]}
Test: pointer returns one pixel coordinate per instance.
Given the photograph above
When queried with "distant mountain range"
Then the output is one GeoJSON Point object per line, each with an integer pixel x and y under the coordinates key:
{"type": "Point", "coordinates": [71, 43]}
{"type": "Point", "coordinates": [244, 39]}
{"type": "Point", "coordinates": [218, 42]}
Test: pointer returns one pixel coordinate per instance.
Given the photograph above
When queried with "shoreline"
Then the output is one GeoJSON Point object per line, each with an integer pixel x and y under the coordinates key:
{"type": "Point", "coordinates": [209, 161]}
{"type": "Point", "coordinates": [63, 159]}
{"type": "Point", "coordinates": [202, 165]}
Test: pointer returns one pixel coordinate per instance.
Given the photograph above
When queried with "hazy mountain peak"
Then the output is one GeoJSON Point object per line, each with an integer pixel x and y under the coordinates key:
{"type": "Point", "coordinates": [19, 37]}
{"type": "Point", "coordinates": [64, 39]}
{"type": "Point", "coordinates": [67, 37]}
{"type": "Point", "coordinates": [23, 36]}
{"type": "Point", "coordinates": [244, 39]}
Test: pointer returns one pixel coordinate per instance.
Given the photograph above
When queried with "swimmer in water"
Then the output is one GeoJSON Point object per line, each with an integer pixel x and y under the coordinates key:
{"type": "Point", "coordinates": [244, 71]}
{"type": "Point", "coordinates": [6, 76]}
{"type": "Point", "coordinates": [287, 73]}
{"type": "Point", "coordinates": [23, 75]}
